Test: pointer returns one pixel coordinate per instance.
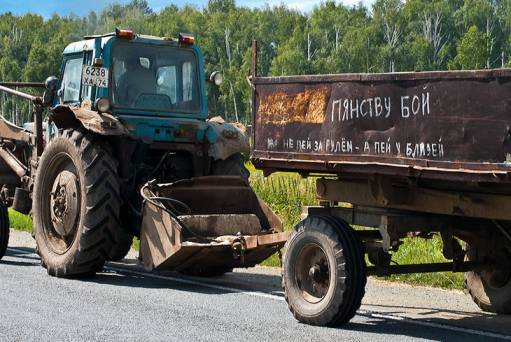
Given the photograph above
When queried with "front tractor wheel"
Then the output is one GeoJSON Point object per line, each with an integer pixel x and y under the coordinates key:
{"type": "Point", "coordinates": [324, 273]}
{"type": "Point", "coordinates": [76, 205]}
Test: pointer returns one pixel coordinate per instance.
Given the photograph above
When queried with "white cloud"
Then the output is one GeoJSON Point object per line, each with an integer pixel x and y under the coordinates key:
{"type": "Point", "coordinates": [303, 5]}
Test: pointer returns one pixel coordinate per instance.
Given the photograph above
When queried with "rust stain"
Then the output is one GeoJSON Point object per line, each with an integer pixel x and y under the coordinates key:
{"type": "Point", "coordinates": [308, 106]}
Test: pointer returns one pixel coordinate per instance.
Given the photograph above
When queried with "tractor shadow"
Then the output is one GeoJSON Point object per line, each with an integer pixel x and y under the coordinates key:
{"type": "Point", "coordinates": [424, 326]}
{"type": "Point", "coordinates": [363, 322]}
{"type": "Point", "coordinates": [487, 324]}
{"type": "Point", "coordinates": [21, 256]}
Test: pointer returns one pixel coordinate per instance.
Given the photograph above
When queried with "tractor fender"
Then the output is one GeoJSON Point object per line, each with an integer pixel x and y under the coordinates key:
{"type": "Point", "coordinates": [226, 139]}
{"type": "Point", "coordinates": [75, 116]}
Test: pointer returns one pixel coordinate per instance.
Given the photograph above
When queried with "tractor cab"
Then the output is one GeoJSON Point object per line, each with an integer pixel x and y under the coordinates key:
{"type": "Point", "coordinates": [142, 81]}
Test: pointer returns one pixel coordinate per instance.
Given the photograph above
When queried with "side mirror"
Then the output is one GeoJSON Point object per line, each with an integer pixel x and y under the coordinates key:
{"type": "Point", "coordinates": [50, 84]}
{"type": "Point", "coordinates": [216, 77]}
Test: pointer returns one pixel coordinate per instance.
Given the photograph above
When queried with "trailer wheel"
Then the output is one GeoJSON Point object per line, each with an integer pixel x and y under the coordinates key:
{"type": "Point", "coordinates": [232, 166]}
{"type": "Point", "coordinates": [76, 205]}
{"type": "Point", "coordinates": [4, 228]}
{"type": "Point", "coordinates": [324, 273]}
{"type": "Point", "coordinates": [490, 289]}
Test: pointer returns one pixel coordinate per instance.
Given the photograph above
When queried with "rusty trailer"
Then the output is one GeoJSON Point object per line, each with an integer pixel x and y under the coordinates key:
{"type": "Point", "coordinates": [403, 154]}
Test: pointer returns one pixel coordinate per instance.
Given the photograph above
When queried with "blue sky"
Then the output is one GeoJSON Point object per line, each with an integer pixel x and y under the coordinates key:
{"type": "Point", "coordinates": [80, 7]}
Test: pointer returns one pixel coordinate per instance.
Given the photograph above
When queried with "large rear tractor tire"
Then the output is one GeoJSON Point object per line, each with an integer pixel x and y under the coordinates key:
{"type": "Point", "coordinates": [490, 288]}
{"type": "Point", "coordinates": [122, 246]}
{"type": "Point", "coordinates": [324, 272]}
{"type": "Point", "coordinates": [4, 228]}
{"type": "Point", "coordinates": [76, 206]}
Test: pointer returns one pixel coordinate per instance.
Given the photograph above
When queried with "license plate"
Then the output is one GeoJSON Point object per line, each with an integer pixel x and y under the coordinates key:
{"type": "Point", "coordinates": [95, 76]}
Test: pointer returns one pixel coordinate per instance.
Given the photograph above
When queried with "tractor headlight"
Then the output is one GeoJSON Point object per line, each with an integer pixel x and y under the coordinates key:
{"type": "Point", "coordinates": [102, 105]}
{"type": "Point", "coordinates": [216, 77]}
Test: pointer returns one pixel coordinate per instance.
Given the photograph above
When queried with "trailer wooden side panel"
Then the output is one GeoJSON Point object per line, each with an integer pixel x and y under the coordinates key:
{"type": "Point", "coordinates": [440, 125]}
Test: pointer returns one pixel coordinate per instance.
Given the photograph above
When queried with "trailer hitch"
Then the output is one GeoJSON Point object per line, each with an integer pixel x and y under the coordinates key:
{"type": "Point", "coordinates": [239, 246]}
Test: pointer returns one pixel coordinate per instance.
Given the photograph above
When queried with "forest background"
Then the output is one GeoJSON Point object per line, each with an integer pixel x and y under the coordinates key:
{"type": "Point", "coordinates": [391, 35]}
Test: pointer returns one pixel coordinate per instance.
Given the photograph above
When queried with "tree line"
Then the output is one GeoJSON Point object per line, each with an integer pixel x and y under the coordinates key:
{"type": "Point", "coordinates": [390, 36]}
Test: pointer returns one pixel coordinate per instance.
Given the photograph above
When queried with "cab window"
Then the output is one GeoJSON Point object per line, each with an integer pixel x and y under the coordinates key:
{"type": "Point", "coordinates": [71, 80]}
{"type": "Point", "coordinates": [155, 78]}
{"type": "Point", "coordinates": [167, 82]}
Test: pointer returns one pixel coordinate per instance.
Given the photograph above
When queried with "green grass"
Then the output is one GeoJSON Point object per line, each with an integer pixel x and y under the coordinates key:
{"type": "Point", "coordinates": [19, 221]}
{"type": "Point", "coordinates": [417, 250]}
{"type": "Point", "coordinates": [286, 193]}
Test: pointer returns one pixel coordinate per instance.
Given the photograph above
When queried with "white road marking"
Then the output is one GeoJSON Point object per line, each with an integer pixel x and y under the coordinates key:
{"type": "Point", "coordinates": [362, 312]}
{"type": "Point", "coordinates": [198, 283]}
{"type": "Point", "coordinates": [434, 325]}
{"type": "Point", "coordinates": [280, 298]}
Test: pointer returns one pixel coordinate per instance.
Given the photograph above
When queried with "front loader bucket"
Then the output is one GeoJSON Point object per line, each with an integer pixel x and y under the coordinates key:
{"type": "Point", "coordinates": [227, 226]}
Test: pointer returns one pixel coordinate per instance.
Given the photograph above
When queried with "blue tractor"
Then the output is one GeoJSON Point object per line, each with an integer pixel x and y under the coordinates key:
{"type": "Point", "coordinates": [129, 149]}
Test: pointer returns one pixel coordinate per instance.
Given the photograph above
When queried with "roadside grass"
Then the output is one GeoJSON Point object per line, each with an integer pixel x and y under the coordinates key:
{"type": "Point", "coordinates": [286, 193]}
{"type": "Point", "coordinates": [19, 221]}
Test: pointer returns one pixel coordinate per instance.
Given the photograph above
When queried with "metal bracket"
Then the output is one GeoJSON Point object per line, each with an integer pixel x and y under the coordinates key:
{"type": "Point", "coordinates": [388, 231]}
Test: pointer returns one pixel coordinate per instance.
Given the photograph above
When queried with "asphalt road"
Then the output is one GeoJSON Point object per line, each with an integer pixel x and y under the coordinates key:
{"type": "Point", "coordinates": [125, 303]}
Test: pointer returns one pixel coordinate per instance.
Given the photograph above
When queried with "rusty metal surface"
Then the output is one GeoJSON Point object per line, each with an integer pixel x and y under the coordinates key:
{"type": "Point", "coordinates": [227, 226]}
{"type": "Point", "coordinates": [34, 99]}
{"type": "Point", "coordinates": [426, 268]}
{"type": "Point", "coordinates": [232, 139]}
{"type": "Point", "coordinates": [12, 132]}
{"type": "Point", "coordinates": [222, 224]}
{"type": "Point", "coordinates": [443, 125]}
{"type": "Point", "coordinates": [384, 194]}
{"type": "Point", "coordinates": [37, 113]}
{"type": "Point", "coordinates": [221, 195]}
{"type": "Point", "coordinates": [23, 84]}
{"type": "Point", "coordinates": [14, 163]}
{"type": "Point", "coordinates": [386, 77]}
{"type": "Point", "coordinates": [101, 123]}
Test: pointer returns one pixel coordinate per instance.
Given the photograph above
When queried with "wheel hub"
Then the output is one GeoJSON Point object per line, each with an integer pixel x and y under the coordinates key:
{"type": "Point", "coordinates": [313, 275]}
{"type": "Point", "coordinates": [64, 203]}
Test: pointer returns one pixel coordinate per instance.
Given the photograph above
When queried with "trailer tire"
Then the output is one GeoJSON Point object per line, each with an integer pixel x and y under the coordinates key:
{"type": "Point", "coordinates": [76, 205]}
{"type": "Point", "coordinates": [490, 289]}
{"type": "Point", "coordinates": [4, 229]}
{"type": "Point", "coordinates": [316, 295]}
{"type": "Point", "coordinates": [232, 166]}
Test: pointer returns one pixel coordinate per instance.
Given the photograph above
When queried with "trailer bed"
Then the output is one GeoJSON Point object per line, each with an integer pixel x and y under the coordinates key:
{"type": "Point", "coordinates": [452, 126]}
